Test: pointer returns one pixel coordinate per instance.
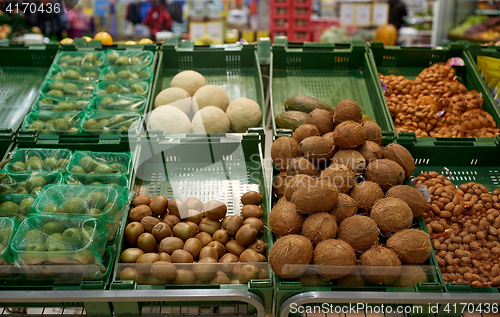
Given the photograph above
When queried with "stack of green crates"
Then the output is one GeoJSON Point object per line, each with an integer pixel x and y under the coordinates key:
{"type": "Point", "coordinates": [91, 98]}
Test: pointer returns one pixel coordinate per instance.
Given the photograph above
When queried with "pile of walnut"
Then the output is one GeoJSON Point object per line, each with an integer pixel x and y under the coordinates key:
{"type": "Point", "coordinates": [464, 224]}
{"type": "Point", "coordinates": [435, 104]}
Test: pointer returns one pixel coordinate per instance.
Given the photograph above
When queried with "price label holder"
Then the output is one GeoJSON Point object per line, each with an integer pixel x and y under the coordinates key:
{"type": "Point", "coordinates": [347, 11]}
{"type": "Point", "coordinates": [363, 14]}
{"type": "Point", "coordinates": [380, 13]}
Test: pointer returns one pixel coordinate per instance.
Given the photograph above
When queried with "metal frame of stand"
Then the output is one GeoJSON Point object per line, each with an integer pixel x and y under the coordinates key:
{"type": "Point", "coordinates": [116, 296]}
{"type": "Point", "coordinates": [386, 298]}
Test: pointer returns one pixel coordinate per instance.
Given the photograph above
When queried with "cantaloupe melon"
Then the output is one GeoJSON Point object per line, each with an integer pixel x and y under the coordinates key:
{"type": "Point", "coordinates": [244, 113]}
{"type": "Point", "coordinates": [210, 120]}
{"type": "Point", "coordinates": [189, 80]}
{"type": "Point", "coordinates": [176, 97]}
{"type": "Point", "coordinates": [170, 119]}
{"type": "Point", "coordinates": [210, 95]}
{"type": "Point", "coordinates": [388, 34]}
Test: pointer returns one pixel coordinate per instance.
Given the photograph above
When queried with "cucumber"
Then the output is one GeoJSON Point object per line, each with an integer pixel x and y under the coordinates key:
{"type": "Point", "coordinates": [291, 119]}
{"type": "Point", "coordinates": [305, 104]}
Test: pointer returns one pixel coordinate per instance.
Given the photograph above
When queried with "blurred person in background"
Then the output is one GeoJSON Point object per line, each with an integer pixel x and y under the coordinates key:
{"type": "Point", "coordinates": [158, 19]}
{"type": "Point", "coordinates": [397, 13]}
{"type": "Point", "coordinates": [79, 22]}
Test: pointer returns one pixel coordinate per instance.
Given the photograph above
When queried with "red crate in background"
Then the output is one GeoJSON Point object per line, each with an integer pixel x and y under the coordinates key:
{"type": "Point", "coordinates": [291, 18]}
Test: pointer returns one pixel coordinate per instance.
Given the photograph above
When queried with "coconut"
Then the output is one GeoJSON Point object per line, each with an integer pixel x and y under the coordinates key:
{"type": "Point", "coordinates": [321, 119]}
{"type": "Point", "coordinates": [290, 249]}
{"type": "Point", "coordinates": [349, 135]}
{"type": "Point", "coordinates": [319, 195]}
{"type": "Point", "coordinates": [279, 184]}
{"type": "Point", "coordinates": [402, 156]}
{"type": "Point", "coordinates": [414, 198]}
{"type": "Point", "coordinates": [282, 150]}
{"type": "Point", "coordinates": [316, 149]}
{"type": "Point", "coordinates": [329, 136]}
{"type": "Point", "coordinates": [344, 207]}
{"type": "Point", "coordinates": [319, 227]}
{"type": "Point", "coordinates": [284, 218]}
{"type": "Point", "coordinates": [347, 110]}
{"type": "Point", "coordinates": [365, 194]}
{"type": "Point", "coordinates": [351, 158]}
{"type": "Point", "coordinates": [371, 151]}
{"type": "Point", "coordinates": [340, 175]}
{"type": "Point", "coordinates": [334, 252]}
{"type": "Point", "coordinates": [360, 232]}
{"type": "Point", "coordinates": [411, 245]}
{"type": "Point", "coordinates": [380, 256]}
{"type": "Point", "coordinates": [293, 182]}
{"type": "Point", "coordinates": [305, 131]}
{"type": "Point", "coordinates": [385, 172]}
{"type": "Point", "coordinates": [411, 276]}
{"type": "Point", "coordinates": [391, 215]}
{"type": "Point", "coordinates": [373, 131]}
{"type": "Point", "coordinates": [300, 165]}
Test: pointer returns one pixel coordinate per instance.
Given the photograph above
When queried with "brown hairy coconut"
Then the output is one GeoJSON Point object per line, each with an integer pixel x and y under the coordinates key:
{"type": "Point", "coordinates": [316, 149]}
{"type": "Point", "coordinates": [319, 227]}
{"type": "Point", "coordinates": [285, 219]}
{"type": "Point", "coordinates": [381, 257]}
{"type": "Point", "coordinates": [305, 131]}
{"type": "Point", "coordinates": [371, 151]}
{"type": "Point", "coordinates": [340, 175]}
{"type": "Point", "coordinates": [349, 135]}
{"type": "Point", "coordinates": [373, 131]}
{"type": "Point", "coordinates": [319, 195]}
{"type": "Point", "coordinates": [347, 110]}
{"type": "Point", "coordinates": [321, 119]}
{"type": "Point", "coordinates": [351, 158]}
{"type": "Point", "coordinates": [329, 136]}
{"type": "Point", "coordinates": [300, 165]}
{"type": "Point", "coordinates": [365, 194]}
{"type": "Point", "coordinates": [293, 182]}
{"type": "Point", "coordinates": [402, 156]}
{"type": "Point", "coordinates": [290, 249]}
{"type": "Point", "coordinates": [282, 150]}
{"type": "Point", "coordinates": [354, 278]}
{"type": "Point", "coordinates": [415, 199]}
{"type": "Point", "coordinates": [360, 232]}
{"type": "Point", "coordinates": [411, 276]}
{"type": "Point", "coordinates": [279, 184]}
{"type": "Point", "coordinates": [411, 245]}
{"type": "Point", "coordinates": [344, 207]}
{"type": "Point", "coordinates": [391, 215]}
{"type": "Point", "coordinates": [334, 252]}
{"type": "Point", "coordinates": [385, 172]}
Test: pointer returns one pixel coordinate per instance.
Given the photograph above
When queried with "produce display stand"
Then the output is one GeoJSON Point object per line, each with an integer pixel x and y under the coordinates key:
{"type": "Point", "coordinates": [222, 169]}
{"type": "Point", "coordinates": [329, 74]}
{"type": "Point", "coordinates": [410, 61]}
{"type": "Point", "coordinates": [234, 68]}
{"type": "Point", "coordinates": [97, 142]}
{"type": "Point", "coordinates": [23, 69]}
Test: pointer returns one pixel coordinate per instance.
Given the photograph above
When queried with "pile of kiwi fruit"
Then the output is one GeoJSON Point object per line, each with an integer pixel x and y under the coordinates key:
{"type": "Point", "coordinates": [89, 59]}
{"type": "Point", "coordinates": [58, 88]}
{"type": "Point", "coordinates": [77, 73]}
{"type": "Point", "coordinates": [110, 123]}
{"type": "Point", "coordinates": [90, 165]}
{"type": "Point", "coordinates": [51, 104]}
{"type": "Point", "coordinates": [116, 59]}
{"type": "Point", "coordinates": [35, 163]}
{"type": "Point", "coordinates": [125, 87]}
{"type": "Point", "coordinates": [116, 103]}
{"type": "Point", "coordinates": [11, 209]}
{"type": "Point", "coordinates": [163, 233]}
{"type": "Point", "coordinates": [135, 72]}
{"type": "Point", "coordinates": [67, 123]}
{"type": "Point", "coordinates": [94, 204]}
{"type": "Point", "coordinates": [31, 185]}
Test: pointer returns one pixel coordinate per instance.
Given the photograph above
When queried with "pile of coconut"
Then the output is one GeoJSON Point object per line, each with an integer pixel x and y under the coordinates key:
{"type": "Point", "coordinates": [189, 105]}
{"type": "Point", "coordinates": [342, 202]}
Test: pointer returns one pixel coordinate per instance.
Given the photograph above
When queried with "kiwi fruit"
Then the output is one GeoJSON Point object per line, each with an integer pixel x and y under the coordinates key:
{"type": "Point", "coordinates": [181, 256]}
{"type": "Point", "coordinates": [205, 272]}
{"type": "Point", "coordinates": [233, 224]}
{"type": "Point", "coordinates": [164, 269]}
{"type": "Point", "coordinates": [149, 222]}
{"type": "Point", "coordinates": [193, 246]}
{"type": "Point", "coordinates": [184, 277]}
{"type": "Point", "coordinates": [235, 248]}
{"type": "Point", "coordinates": [220, 278]}
{"type": "Point", "coordinates": [148, 258]}
{"type": "Point", "coordinates": [221, 235]}
{"type": "Point", "coordinates": [159, 205]}
{"type": "Point", "coordinates": [194, 203]}
{"type": "Point", "coordinates": [249, 255]}
{"type": "Point", "coordinates": [170, 244]}
{"type": "Point", "coordinates": [210, 252]}
{"type": "Point", "coordinates": [161, 230]}
{"type": "Point", "coordinates": [204, 238]}
{"type": "Point", "coordinates": [147, 242]}
{"type": "Point", "coordinates": [214, 210]}
{"type": "Point", "coordinates": [171, 220]}
{"type": "Point", "coordinates": [193, 216]}
{"type": "Point", "coordinates": [258, 246]}
{"type": "Point", "coordinates": [246, 235]}
{"type": "Point", "coordinates": [251, 198]}
{"type": "Point", "coordinates": [183, 231]}
{"type": "Point", "coordinates": [251, 211]}
{"type": "Point", "coordinates": [132, 232]}
{"type": "Point", "coordinates": [131, 255]}
{"type": "Point", "coordinates": [248, 272]}
{"type": "Point", "coordinates": [165, 257]}
{"type": "Point", "coordinates": [176, 207]}
{"type": "Point", "coordinates": [257, 223]}
{"type": "Point", "coordinates": [209, 226]}
{"type": "Point", "coordinates": [219, 247]}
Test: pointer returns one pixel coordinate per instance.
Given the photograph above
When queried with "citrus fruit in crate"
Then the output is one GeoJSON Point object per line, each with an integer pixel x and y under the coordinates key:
{"type": "Point", "coordinates": [104, 37]}
{"type": "Point", "coordinates": [66, 41]}
{"type": "Point", "coordinates": [146, 41]}
{"type": "Point", "coordinates": [387, 34]}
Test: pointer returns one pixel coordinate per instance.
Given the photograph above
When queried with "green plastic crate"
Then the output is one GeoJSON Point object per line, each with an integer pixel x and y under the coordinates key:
{"type": "Point", "coordinates": [206, 169]}
{"type": "Point", "coordinates": [84, 179]}
{"type": "Point", "coordinates": [235, 70]}
{"type": "Point", "coordinates": [331, 75]}
{"type": "Point", "coordinates": [410, 61]}
{"type": "Point", "coordinates": [23, 71]}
